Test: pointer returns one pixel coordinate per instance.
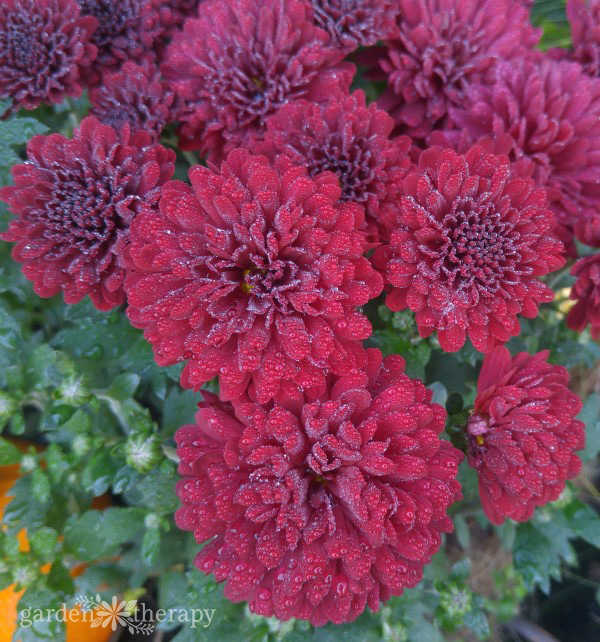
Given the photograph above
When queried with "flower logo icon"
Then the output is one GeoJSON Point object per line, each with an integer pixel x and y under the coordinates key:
{"type": "Point", "coordinates": [114, 613]}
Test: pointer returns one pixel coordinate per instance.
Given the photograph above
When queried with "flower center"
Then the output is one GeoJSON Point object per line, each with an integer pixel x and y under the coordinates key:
{"type": "Point", "coordinates": [269, 282]}
{"type": "Point", "coordinates": [477, 428]}
{"type": "Point", "coordinates": [478, 247]}
{"type": "Point", "coordinates": [352, 167]}
{"type": "Point", "coordinates": [22, 48]}
{"type": "Point", "coordinates": [112, 17]}
{"type": "Point", "coordinates": [80, 215]}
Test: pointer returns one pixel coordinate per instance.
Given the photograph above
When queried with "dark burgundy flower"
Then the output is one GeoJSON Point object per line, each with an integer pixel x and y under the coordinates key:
{"type": "Point", "coordinates": [173, 13]}
{"type": "Point", "coordinates": [442, 47]}
{"type": "Point", "coordinates": [253, 274]}
{"type": "Point", "coordinates": [468, 248]}
{"type": "Point", "coordinates": [351, 140]}
{"type": "Point", "coordinates": [240, 62]}
{"type": "Point", "coordinates": [133, 95]}
{"type": "Point", "coordinates": [127, 30]}
{"type": "Point", "coordinates": [354, 23]}
{"type": "Point", "coordinates": [44, 47]}
{"type": "Point", "coordinates": [75, 200]}
{"type": "Point", "coordinates": [586, 293]}
{"type": "Point", "coordinates": [584, 16]}
{"type": "Point", "coordinates": [547, 113]}
{"type": "Point", "coordinates": [523, 433]}
{"type": "Point", "coordinates": [317, 508]}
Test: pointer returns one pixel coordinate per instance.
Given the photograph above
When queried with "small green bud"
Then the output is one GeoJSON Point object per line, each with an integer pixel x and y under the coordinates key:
{"type": "Point", "coordinates": [24, 574]}
{"type": "Point", "coordinates": [28, 463]}
{"type": "Point", "coordinates": [152, 520]}
{"type": "Point", "coordinates": [81, 445]}
{"type": "Point", "coordinates": [456, 601]}
{"type": "Point", "coordinates": [143, 453]}
{"type": "Point", "coordinates": [73, 391]}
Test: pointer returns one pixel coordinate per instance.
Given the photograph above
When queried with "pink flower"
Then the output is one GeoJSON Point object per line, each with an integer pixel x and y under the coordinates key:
{"type": "Point", "coordinates": [584, 16]}
{"type": "Point", "coordinates": [523, 433]}
{"type": "Point", "coordinates": [136, 96]}
{"type": "Point", "coordinates": [253, 274]}
{"type": "Point", "coordinates": [441, 48]}
{"type": "Point", "coordinates": [45, 46]}
{"type": "Point", "coordinates": [354, 23]}
{"type": "Point", "coordinates": [351, 140]}
{"type": "Point", "coordinates": [74, 201]}
{"type": "Point", "coordinates": [547, 114]}
{"type": "Point", "coordinates": [127, 30]}
{"type": "Point", "coordinates": [239, 62]}
{"type": "Point", "coordinates": [586, 293]}
{"type": "Point", "coordinates": [468, 247]}
{"type": "Point", "coordinates": [316, 508]}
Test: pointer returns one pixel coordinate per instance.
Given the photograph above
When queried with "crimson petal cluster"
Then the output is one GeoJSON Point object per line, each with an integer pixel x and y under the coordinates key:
{"type": "Point", "coordinates": [469, 247]}
{"type": "Point", "coordinates": [441, 48]}
{"type": "Point", "coordinates": [74, 201]}
{"type": "Point", "coordinates": [127, 30]}
{"type": "Point", "coordinates": [523, 433]}
{"type": "Point", "coordinates": [45, 48]}
{"type": "Point", "coordinates": [354, 23]}
{"type": "Point", "coordinates": [242, 60]}
{"type": "Point", "coordinates": [254, 274]}
{"type": "Point", "coordinates": [135, 96]}
{"type": "Point", "coordinates": [547, 115]}
{"type": "Point", "coordinates": [317, 508]}
{"type": "Point", "coordinates": [351, 140]}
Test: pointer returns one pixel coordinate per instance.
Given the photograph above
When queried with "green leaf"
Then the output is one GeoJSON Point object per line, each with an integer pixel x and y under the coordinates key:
{"type": "Point", "coordinates": [461, 530]}
{"type": "Point", "coordinates": [44, 542]}
{"type": "Point", "coordinates": [541, 545]}
{"type": "Point", "coordinates": [584, 521]}
{"type": "Point", "coordinates": [42, 598]}
{"type": "Point", "coordinates": [9, 453]}
{"type": "Point", "coordinates": [40, 485]}
{"type": "Point", "coordinates": [96, 534]}
{"type": "Point", "coordinates": [124, 386]}
{"type": "Point", "coordinates": [590, 415]}
{"type": "Point", "coordinates": [416, 354]}
{"type": "Point", "coordinates": [16, 130]}
{"type": "Point", "coordinates": [99, 472]}
{"type": "Point", "coordinates": [461, 570]}
{"type": "Point", "coordinates": [151, 546]}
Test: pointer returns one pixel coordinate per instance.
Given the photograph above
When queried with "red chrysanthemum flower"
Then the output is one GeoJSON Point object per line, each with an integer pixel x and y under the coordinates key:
{"type": "Point", "coordinates": [469, 245]}
{"type": "Point", "coordinates": [584, 16]}
{"type": "Point", "coordinates": [547, 113]}
{"type": "Point", "coordinates": [442, 47]}
{"type": "Point", "coordinates": [240, 62]}
{"type": "Point", "coordinates": [253, 274]}
{"type": "Point", "coordinates": [44, 47]}
{"type": "Point", "coordinates": [127, 30]}
{"type": "Point", "coordinates": [318, 508]}
{"type": "Point", "coordinates": [134, 95]}
{"type": "Point", "coordinates": [586, 293]}
{"type": "Point", "coordinates": [354, 23]}
{"type": "Point", "coordinates": [173, 13]}
{"type": "Point", "coordinates": [75, 200]}
{"type": "Point", "coordinates": [523, 433]}
{"type": "Point", "coordinates": [351, 140]}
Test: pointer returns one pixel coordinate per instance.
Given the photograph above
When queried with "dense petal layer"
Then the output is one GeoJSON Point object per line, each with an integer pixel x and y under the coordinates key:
{"type": "Point", "coordinates": [320, 507]}
{"type": "Point", "coordinates": [523, 433]}
{"type": "Point", "coordinates": [253, 273]}
{"type": "Point", "coordinates": [468, 247]}
{"type": "Point", "coordinates": [239, 62]}
{"type": "Point", "coordinates": [74, 201]}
